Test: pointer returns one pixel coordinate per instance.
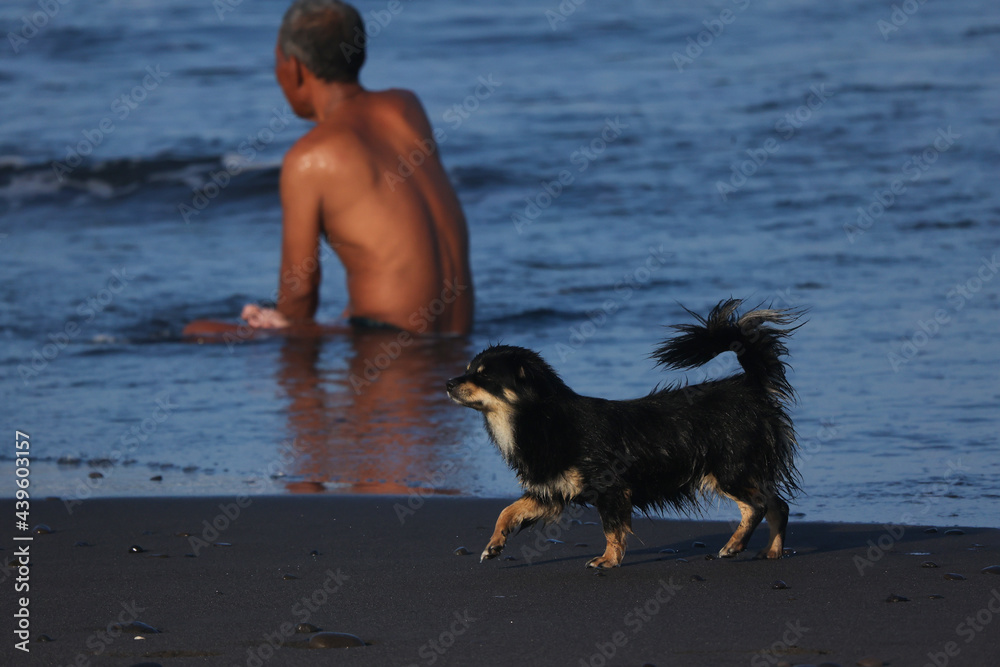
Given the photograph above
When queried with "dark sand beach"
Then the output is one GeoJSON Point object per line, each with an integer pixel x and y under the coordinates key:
{"type": "Point", "coordinates": [233, 593]}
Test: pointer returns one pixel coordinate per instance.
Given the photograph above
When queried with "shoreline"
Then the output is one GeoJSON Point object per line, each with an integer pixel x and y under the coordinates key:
{"type": "Point", "coordinates": [227, 580]}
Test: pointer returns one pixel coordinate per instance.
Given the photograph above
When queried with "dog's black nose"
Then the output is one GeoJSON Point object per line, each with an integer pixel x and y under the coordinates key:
{"type": "Point", "coordinates": [451, 384]}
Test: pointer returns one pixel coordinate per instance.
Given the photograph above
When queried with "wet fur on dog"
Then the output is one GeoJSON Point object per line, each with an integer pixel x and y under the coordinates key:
{"type": "Point", "coordinates": [731, 436]}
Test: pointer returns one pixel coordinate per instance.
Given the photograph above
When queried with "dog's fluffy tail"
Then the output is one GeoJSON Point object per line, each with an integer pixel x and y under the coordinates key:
{"type": "Point", "coordinates": [758, 346]}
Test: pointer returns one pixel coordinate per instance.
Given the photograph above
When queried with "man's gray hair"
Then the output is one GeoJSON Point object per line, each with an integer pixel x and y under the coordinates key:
{"type": "Point", "coordinates": [327, 36]}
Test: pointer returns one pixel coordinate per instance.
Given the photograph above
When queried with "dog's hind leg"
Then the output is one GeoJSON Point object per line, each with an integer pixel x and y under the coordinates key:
{"type": "Point", "coordinates": [523, 512]}
{"type": "Point", "coordinates": [752, 510]}
{"type": "Point", "coordinates": [616, 517]}
{"type": "Point", "coordinates": [777, 522]}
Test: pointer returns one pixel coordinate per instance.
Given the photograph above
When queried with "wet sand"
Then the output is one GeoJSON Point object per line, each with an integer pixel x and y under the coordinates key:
{"type": "Point", "coordinates": [372, 567]}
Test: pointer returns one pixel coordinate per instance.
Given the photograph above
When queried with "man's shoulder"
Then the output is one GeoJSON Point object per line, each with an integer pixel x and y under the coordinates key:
{"type": "Point", "coordinates": [397, 95]}
{"type": "Point", "coordinates": [400, 102]}
{"type": "Point", "coordinates": [321, 149]}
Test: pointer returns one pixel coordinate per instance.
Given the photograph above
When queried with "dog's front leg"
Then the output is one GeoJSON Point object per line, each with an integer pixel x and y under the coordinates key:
{"type": "Point", "coordinates": [616, 517]}
{"type": "Point", "coordinates": [524, 512]}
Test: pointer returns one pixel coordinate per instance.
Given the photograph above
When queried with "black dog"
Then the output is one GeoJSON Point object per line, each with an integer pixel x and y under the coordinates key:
{"type": "Point", "coordinates": [730, 436]}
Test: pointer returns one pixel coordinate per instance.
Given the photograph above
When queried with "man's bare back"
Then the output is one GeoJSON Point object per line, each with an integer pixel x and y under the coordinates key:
{"type": "Point", "coordinates": [403, 241]}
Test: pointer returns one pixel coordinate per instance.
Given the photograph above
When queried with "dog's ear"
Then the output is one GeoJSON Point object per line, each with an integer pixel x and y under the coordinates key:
{"type": "Point", "coordinates": [537, 379]}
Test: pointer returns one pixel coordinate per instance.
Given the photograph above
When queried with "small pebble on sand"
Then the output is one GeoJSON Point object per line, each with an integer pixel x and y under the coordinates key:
{"type": "Point", "coordinates": [138, 628]}
{"type": "Point", "coordinates": [334, 640]}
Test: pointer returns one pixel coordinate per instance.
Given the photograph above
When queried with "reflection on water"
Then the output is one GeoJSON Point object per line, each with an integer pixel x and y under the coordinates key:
{"type": "Point", "coordinates": [373, 426]}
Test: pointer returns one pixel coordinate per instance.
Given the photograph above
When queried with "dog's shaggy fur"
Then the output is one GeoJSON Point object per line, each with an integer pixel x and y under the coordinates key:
{"type": "Point", "coordinates": [731, 436]}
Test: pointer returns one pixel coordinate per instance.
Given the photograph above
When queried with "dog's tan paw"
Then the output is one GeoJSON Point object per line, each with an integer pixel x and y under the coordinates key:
{"type": "Point", "coordinates": [491, 551]}
{"type": "Point", "coordinates": [603, 562]}
{"type": "Point", "coordinates": [770, 554]}
{"type": "Point", "coordinates": [729, 552]}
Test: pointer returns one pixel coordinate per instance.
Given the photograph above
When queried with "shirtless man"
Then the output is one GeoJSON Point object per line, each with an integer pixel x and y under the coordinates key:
{"type": "Point", "coordinates": [403, 242]}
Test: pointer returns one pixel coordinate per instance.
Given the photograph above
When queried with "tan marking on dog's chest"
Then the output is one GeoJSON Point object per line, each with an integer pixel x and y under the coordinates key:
{"type": "Point", "coordinates": [501, 425]}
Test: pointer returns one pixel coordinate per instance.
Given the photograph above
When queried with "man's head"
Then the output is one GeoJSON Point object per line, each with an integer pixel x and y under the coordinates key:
{"type": "Point", "coordinates": [326, 36]}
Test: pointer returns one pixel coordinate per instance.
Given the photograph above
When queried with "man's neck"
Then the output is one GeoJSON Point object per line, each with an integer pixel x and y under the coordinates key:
{"type": "Point", "coordinates": [329, 97]}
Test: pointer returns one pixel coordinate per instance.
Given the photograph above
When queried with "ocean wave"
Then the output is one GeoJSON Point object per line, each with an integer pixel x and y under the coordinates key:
{"type": "Point", "coordinates": [23, 182]}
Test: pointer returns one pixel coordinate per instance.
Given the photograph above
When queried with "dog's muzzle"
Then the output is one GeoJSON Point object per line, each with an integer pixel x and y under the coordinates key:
{"type": "Point", "coordinates": [452, 385]}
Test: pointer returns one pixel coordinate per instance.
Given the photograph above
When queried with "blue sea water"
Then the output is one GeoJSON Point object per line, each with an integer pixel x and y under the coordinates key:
{"type": "Point", "coordinates": [615, 160]}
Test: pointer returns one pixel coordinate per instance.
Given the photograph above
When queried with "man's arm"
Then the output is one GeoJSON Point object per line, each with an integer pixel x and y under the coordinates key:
{"type": "Point", "coordinates": [300, 274]}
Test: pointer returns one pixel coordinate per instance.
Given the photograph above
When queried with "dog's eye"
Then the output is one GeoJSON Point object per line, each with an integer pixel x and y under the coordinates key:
{"type": "Point", "coordinates": [481, 370]}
